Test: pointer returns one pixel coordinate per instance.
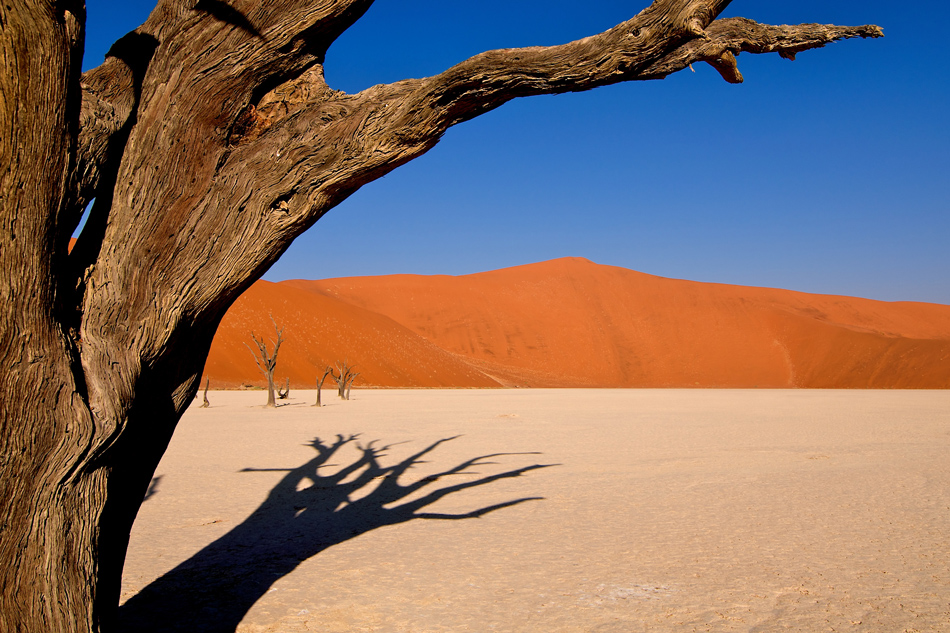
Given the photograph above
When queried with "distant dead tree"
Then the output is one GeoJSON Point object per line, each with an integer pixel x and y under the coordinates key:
{"type": "Point", "coordinates": [344, 377]}
{"type": "Point", "coordinates": [327, 372]}
{"type": "Point", "coordinates": [267, 361]}
{"type": "Point", "coordinates": [206, 403]}
{"type": "Point", "coordinates": [283, 394]}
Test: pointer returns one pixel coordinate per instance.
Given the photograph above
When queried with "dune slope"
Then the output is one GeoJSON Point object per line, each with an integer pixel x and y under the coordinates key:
{"type": "Point", "coordinates": [570, 322]}
{"type": "Point", "coordinates": [320, 331]}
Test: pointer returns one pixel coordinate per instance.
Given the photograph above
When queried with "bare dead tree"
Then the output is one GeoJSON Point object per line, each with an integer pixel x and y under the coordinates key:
{"type": "Point", "coordinates": [327, 372]}
{"type": "Point", "coordinates": [283, 394]}
{"type": "Point", "coordinates": [206, 403]}
{"type": "Point", "coordinates": [343, 377]}
{"type": "Point", "coordinates": [209, 140]}
{"type": "Point", "coordinates": [267, 361]}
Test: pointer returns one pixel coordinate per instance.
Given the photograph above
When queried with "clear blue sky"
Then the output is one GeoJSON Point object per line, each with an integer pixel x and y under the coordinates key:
{"type": "Point", "coordinates": [830, 174]}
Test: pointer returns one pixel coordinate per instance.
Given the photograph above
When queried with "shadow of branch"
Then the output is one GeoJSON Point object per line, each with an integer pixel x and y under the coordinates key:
{"type": "Point", "coordinates": [305, 513]}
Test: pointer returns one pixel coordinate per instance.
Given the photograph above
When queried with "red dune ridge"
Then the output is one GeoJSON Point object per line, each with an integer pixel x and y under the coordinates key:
{"type": "Point", "coordinates": [573, 323]}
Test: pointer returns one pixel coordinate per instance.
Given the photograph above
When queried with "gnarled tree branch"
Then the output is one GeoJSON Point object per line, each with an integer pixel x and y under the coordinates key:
{"type": "Point", "coordinates": [730, 36]}
{"type": "Point", "coordinates": [626, 53]}
{"type": "Point", "coordinates": [385, 126]}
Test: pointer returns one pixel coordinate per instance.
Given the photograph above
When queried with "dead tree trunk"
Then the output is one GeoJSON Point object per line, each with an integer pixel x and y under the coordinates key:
{"type": "Point", "coordinates": [206, 403]}
{"type": "Point", "coordinates": [327, 372]}
{"type": "Point", "coordinates": [283, 394]}
{"type": "Point", "coordinates": [349, 385]}
{"type": "Point", "coordinates": [209, 141]}
{"type": "Point", "coordinates": [267, 361]}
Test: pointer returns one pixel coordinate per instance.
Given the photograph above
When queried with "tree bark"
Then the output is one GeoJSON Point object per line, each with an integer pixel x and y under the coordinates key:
{"type": "Point", "coordinates": [209, 140]}
{"type": "Point", "coordinates": [51, 492]}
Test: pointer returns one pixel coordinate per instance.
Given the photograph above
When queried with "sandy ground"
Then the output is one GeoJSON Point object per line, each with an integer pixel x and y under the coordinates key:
{"type": "Point", "coordinates": [661, 510]}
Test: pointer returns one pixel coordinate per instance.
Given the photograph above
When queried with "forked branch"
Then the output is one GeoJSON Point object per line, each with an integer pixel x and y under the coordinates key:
{"type": "Point", "coordinates": [730, 36]}
{"type": "Point", "coordinates": [388, 125]}
{"type": "Point", "coordinates": [652, 45]}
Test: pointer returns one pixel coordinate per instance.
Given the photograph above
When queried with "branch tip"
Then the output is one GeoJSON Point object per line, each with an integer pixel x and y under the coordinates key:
{"type": "Point", "coordinates": [727, 66]}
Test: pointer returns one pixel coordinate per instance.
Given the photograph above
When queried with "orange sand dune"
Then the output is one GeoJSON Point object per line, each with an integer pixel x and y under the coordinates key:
{"type": "Point", "coordinates": [570, 322]}
{"type": "Point", "coordinates": [320, 331]}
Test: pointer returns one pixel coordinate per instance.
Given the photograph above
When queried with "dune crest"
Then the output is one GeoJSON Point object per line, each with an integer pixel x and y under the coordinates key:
{"type": "Point", "coordinates": [573, 323]}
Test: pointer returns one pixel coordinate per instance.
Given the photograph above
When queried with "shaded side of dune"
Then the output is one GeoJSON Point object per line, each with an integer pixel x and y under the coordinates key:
{"type": "Point", "coordinates": [573, 323]}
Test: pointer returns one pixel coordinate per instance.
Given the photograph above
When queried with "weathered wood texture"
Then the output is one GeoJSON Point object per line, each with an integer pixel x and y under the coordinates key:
{"type": "Point", "coordinates": [209, 140]}
{"type": "Point", "coordinates": [45, 426]}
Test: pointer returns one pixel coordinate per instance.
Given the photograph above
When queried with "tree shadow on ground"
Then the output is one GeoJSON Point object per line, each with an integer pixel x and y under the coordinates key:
{"type": "Point", "coordinates": [304, 514]}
